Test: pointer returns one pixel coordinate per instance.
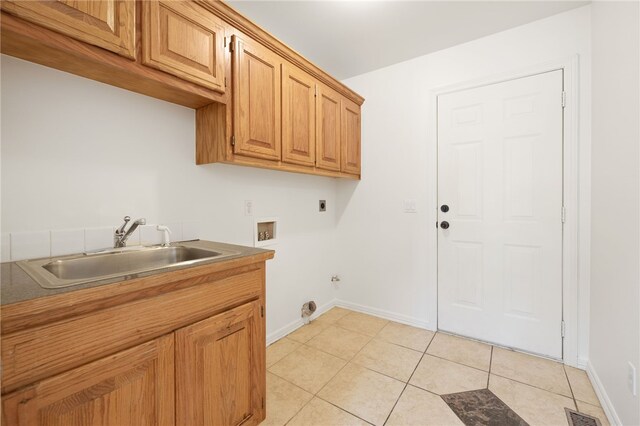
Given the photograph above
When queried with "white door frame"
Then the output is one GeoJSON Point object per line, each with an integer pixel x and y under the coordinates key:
{"type": "Point", "coordinates": [570, 240]}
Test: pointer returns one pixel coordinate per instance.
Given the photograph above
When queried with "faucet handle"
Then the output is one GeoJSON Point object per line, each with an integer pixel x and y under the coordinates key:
{"type": "Point", "coordinates": [124, 225]}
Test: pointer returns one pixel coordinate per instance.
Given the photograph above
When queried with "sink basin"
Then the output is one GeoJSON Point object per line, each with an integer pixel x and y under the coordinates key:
{"type": "Point", "coordinates": [85, 268]}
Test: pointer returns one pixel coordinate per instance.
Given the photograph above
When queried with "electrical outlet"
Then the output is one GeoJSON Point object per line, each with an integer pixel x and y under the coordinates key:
{"type": "Point", "coordinates": [248, 208]}
{"type": "Point", "coordinates": [632, 379]}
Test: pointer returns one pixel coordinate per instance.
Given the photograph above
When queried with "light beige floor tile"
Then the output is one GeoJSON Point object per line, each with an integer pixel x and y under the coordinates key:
{"type": "Point", "coordinates": [278, 350]}
{"type": "Point", "coordinates": [308, 368]}
{"type": "Point", "coordinates": [417, 407]}
{"type": "Point", "coordinates": [339, 341]}
{"type": "Point", "coordinates": [594, 411]}
{"type": "Point", "coordinates": [461, 350]}
{"type": "Point", "coordinates": [319, 412]}
{"type": "Point", "coordinates": [442, 377]}
{"type": "Point", "coordinates": [407, 336]}
{"type": "Point", "coordinates": [387, 358]}
{"type": "Point", "coordinates": [581, 386]}
{"type": "Point", "coordinates": [365, 393]}
{"type": "Point", "coordinates": [362, 323]}
{"type": "Point", "coordinates": [535, 406]}
{"type": "Point", "coordinates": [307, 332]}
{"type": "Point", "coordinates": [284, 400]}
{"type": "Point", "coordinates": [332, 315]}
{"type": "Point", "coordinates": [539, 372]}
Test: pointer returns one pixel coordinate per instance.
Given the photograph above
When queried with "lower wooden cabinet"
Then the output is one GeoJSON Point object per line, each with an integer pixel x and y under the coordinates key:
{"type": "Point", "coordinates": [220, 369]}
{"type": "Point", "coordinates": [132, 387]}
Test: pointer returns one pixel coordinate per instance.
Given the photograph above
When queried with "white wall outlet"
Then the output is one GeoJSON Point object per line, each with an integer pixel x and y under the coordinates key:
{"type": "Point", "coordinates": [409, 206]}
{"type": "Point", "coordinates": [248, 208]}
{"type": "Point", "coordinates": [632, 379]}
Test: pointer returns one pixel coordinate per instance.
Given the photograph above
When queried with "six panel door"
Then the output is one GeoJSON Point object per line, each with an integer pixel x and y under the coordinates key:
{"type": "Point", "coordinates": [500, 175]}
{"type": "Point", "coordinates": [350, 122]}
{"type": "Point", "coordinates": [183, 39]}
{"type": "Point", "coordinates": [109, 24]}
{"type": "Point", "coordinates": [132, 387]}
{"type": "Point", "coordinates": [298, 116]}
{"type": "Point", "coordinates": [328, 128]}
{"type": "Point", "coordinates": [256, 84]}
{"type": "Point", "coordinates": [220, 377]}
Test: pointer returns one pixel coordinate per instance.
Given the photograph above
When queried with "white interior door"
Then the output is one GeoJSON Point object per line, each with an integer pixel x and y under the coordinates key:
{"type": "Point", "coordinates": [500, 174]}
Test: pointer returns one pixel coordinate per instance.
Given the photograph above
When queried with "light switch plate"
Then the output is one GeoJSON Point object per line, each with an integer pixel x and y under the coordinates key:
{"type": "Point", "coordinates": [248, 208]}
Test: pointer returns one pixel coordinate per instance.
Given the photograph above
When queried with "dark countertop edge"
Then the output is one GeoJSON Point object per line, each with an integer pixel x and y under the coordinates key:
{"type": "Point", "coordinates": [17, 286]}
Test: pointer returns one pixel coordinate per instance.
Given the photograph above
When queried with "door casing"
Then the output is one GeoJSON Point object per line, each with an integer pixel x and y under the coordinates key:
{"type": "Point", "coordinates": [571, 243]}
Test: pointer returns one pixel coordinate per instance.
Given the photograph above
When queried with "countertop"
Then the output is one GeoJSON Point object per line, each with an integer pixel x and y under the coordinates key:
{"type": "Point", "coordinates": [17, 286]}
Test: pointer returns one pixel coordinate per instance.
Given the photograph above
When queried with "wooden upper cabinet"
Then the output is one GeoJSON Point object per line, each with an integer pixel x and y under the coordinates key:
{"type": "Point", "coordinates": [109, 24]}
{"type": "Point", "coordinates": [132, 387]}
{"type": "Point", "coordinates": [220, 377]}
{"type": "Point", "coordinates": [328, 128]}
{"type": "Point", "coordinates": [256, 100]}
{"type": "Point", "coordinates": [183, 39]}
{"type": "Point", "coordinates": [350, 123]}
{"type": "Point", "coordinates": [298, 116]}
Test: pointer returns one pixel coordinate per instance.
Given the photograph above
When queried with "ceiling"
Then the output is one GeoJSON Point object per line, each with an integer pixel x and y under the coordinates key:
{"type": "Point", "coordinates": [351, 37]}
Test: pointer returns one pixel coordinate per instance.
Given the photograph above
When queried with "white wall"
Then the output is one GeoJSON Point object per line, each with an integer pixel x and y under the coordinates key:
{"type": "Point", "coordinates": [77, 154]}
{"type": "Point", "coordinates": [389, 257]}
{"type": "Point", "coordinates": [615, 244]}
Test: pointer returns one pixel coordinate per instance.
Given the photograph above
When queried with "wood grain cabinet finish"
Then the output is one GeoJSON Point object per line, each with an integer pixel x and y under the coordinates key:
{"type": "Point", "coordinates": [256, 95]}
{"type": "Point", "coordinates": [109, 24]}
{"type": "Point", "coordinates": [132, 387]}
{"type": "Point", "coordinates": [298, 116]}
{"type": "Point", "coordinates": [350, 123]}
{"type": "Point", "coordinates": [328, 130]}
{"type": "Point", "coordinates": [185, 40]}
{"type": "Point", "coordinates": [220, 369]}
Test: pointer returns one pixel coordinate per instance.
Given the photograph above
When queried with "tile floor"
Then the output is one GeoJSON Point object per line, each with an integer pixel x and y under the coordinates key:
{"type": "Point", "coordinates": [349, 368]}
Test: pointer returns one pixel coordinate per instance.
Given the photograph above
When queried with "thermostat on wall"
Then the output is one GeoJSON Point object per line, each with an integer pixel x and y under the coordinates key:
{"type": "Point", "coordinates": [265, 232]}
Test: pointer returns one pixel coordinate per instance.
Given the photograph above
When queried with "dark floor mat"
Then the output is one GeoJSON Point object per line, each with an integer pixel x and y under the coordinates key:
{"type": "Point", "coordinates": [482, 408]}
{"type": "Point", "coordinates": [579, 419]}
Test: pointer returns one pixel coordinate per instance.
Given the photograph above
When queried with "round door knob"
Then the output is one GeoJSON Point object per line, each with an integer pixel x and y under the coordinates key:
{"type": "Point", "coordinates": [444, 208]}
{"type": "Point", "coordinates": [444, 224]}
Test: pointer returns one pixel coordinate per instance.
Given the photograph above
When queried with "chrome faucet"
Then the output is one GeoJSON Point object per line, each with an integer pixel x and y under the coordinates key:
{"type": "Point", "coordinates": [120, 237]}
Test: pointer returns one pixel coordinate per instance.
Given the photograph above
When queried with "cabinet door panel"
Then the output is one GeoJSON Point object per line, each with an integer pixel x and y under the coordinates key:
{"type": "Point", "coordinates": [185, 40]}
{"type": "Point", "coordinates": [298, 117]}
{"type": "Point", "coordinates": [350, 118]}
{"type": "Point", "coordinates": [220, 369]}
{"type": "Point", "coordinates": [256, 83]}
{"type": "Point", "coordinates": [109, 24]}
{"type": "Point", "coordinates": [135, 386]}
{"type": "Point", "coordinates": [328, 129]}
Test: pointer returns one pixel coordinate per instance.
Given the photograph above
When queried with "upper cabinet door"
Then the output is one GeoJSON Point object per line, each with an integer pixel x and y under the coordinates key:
{"type": "Point", "coordinates": [185, 40]}
{"type": "Point", "coordinates": [256, 100]}
{"type": "Point", "coordinates": [132, 387]}
{"type": "Point", "coordinates": [109, 24]}
{"type": "Point", "coordinates": [328, 128]}
{"type": "Point", "coordinates": [298, 116]}
{"type": "Point", "coordinates": [220, 376]}
{"type": "Point", "coordinates": [350, 118]}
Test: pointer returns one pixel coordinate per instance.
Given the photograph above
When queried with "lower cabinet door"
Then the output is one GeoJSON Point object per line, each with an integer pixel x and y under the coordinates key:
{"type": "Point", "coordinates": [220, 369]}
{"type": "Point", "coordinates": [132, 387]}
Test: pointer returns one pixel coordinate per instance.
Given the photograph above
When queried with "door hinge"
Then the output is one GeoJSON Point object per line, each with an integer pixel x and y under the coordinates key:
{"type": "Point", "coordinates": [564, 99]}
{"type": "Point", "coordinates": [233, 140]}
{"type": "Point", "coordinates": [262, 311]}
{"type": "Point", "coordinates": [562, 328]}
{"type": "Point", "coordinates": [225, 42]}
{"type": "Point", "coordinates": [564, 214]}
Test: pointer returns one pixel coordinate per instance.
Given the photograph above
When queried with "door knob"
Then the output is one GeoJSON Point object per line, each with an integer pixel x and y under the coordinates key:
{"type": "Point", "coordinates": [444, 208]}
{"type": "Point", "coordinates": [444, 224]}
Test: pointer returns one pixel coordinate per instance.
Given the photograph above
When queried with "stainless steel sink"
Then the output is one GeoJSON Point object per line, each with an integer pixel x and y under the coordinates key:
{"type": "Point", "coordinates": [85, 268]}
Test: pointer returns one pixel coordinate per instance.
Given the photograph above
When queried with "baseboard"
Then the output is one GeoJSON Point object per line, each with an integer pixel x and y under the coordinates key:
{"type": "Point", "coordinates": [388, 315]}
{"type": "Point", "coordinates": [582, 363]}
{"type": "Point", "coordinates": [294, 325]}
{"type": "Point", "coordinates": [607, 406]}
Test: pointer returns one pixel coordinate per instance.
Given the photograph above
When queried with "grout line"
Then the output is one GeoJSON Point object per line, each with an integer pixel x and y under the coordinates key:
{"type": "Point", "coordinates": [532, 386]}
{"type": "Point", "coordinates": [342, 409]}
{"type": "Point", "coordinates": [490, 363]}
{"type": "Point", "coordinates": [570, 387]}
